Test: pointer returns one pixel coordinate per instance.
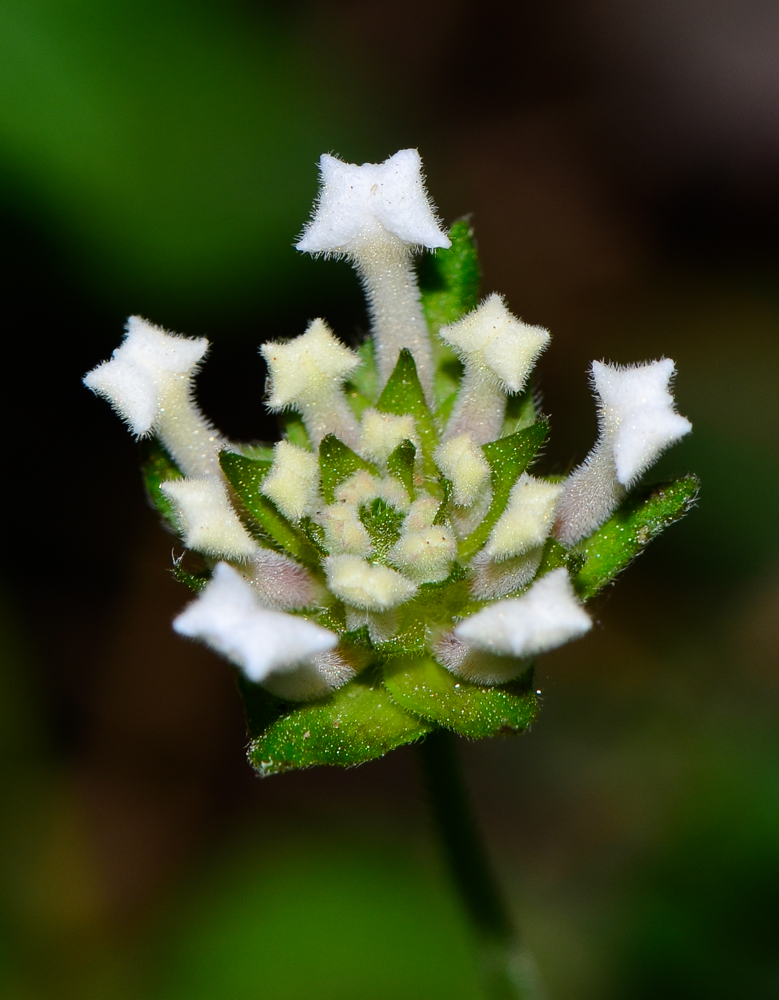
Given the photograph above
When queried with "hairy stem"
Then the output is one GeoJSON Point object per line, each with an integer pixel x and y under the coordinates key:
{"type": "Point", "coordinates": [508, 971]}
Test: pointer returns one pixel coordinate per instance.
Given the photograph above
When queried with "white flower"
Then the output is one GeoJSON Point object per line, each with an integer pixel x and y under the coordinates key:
{"type": "Point", "coordinates": [527, 520]}
{"type": "Point", "coordinates": [377, 214]}
{"type": "Point", "coordinates": [207, 520]}
{"type": "Point", "coordinates": [637, 413]}
{"type": "Point", "coordinates": [358, 202]}
{"type": "Point", "coordinates": [366, 586]}
{"type": "Point", "coordinates": [637, 422]}
{"type": "Point", "coordinates": [293, 481]}
{"type": "Point", "coordinates": [462, 461]}
{"type": "Point", "coordinates": [498, 351]}
{"type": "Point", "coordinates": [148, 381]}
{"type": "Point", "coordinates": [229, 617]}
{"type": "Point", "coordinates": [306, 374]}
{"type": "Point", "coordinates": [545, 617]}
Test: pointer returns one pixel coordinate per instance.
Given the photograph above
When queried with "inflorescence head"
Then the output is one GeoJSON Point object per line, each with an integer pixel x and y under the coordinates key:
{"type": "Point", "coordinates": [392, 563]}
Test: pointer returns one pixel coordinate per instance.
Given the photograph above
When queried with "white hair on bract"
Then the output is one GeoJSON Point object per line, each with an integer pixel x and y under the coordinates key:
{"type": "Point", "coordinates": [278, 650]}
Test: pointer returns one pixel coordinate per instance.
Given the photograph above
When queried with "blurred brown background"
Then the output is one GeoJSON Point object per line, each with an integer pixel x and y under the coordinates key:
{"type": "Point", "coordinates": [620, 164]}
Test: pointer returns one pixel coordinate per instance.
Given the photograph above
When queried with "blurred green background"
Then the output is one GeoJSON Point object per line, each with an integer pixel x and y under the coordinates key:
{"type": "Point", "coordinates": [620, 164]}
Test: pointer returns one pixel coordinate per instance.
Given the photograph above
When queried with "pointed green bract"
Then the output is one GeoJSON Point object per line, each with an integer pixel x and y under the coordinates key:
{"type": "Point", "coordinates": [401, 464]}
{"type": "Point", "coordinates": [450, 278]}
{"type": "Point", "coordinates": [403, 394]}
{"type": "Point", "coordinates": [337, 462]}
{"type": "Point", "coordinates": [355, 724]}
{"type": "Point", "coordinates": [364, 380]}
{"type": "Point", "coordinates": [617, 542]}
{"type": "Point", "coordinates": [158, 467]}
{"type": "Point", "coordinates": [383, 523]}
{"type": "Point", "coordinates": [245, 475]}
{"type": "Point", "coordinates": [508, 458]}
{"type": "Point", "coordinates": [424, 687]}
{"type": "Point", "coordinates": [520, 412]}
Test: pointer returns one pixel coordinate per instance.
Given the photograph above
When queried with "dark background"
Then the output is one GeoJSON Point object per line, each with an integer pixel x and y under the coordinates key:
{"type": "Point", "coordinates": [620, 164]}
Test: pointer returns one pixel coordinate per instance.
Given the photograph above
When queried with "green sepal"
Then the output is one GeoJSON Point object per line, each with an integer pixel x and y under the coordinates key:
{"type": "Point", "coordinates": [401, 464]}
{"type": "Point", "coordinates": [450, 278]}
{"type": "Point", "coordinates": [337, 462]}
{"type": "Point", "coordinates": [364, 381]}
{"type": "Point", "coordinates": [422, 686]}
{"type": "Point", "coordinates": [245, 475]}
{"type": "Point", "coordinates": [403, 394]}
{"type": "Point", "coordinates": [383, 524]}
{"type": "Point", "coordinates": [617, 542]}
{"type": "Point", "coordinates": [158, 467]}
{"type": "Point", "coordinates": [508, 458]}
{"type": "Point", "coordinates": [357, 723]}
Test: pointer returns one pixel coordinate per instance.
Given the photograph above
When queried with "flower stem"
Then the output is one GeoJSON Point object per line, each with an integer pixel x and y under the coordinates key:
{"type": "Point", "coordinates": [508, 971]}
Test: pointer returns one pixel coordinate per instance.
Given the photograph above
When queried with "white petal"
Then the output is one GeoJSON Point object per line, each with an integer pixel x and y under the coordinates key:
{"type": "Point", "coordinates": [208, 522]}
{"type": "Point", "coordinates": [547, 616]}
{"type": "Point", "coordinates": [373, 588]}
{"type": "Point", "coordinates": [228, 616]}
{"type": "Point", "coordinates": [638, 411]}
{"type": "Point", "coordinates": [309, 367]}
{"type": "Point", "coordinates": [462, 461]}
{"type": "Point", "coordinates": [293, 481]}
{"type": "Point", "coordinates": [360, 201]}
{"type": "Point", "coordinates": [381, 433]}
{"type": "Point", "coordinates": [527, 520]}
{"type": "Point", "coordinates": [490, 335]}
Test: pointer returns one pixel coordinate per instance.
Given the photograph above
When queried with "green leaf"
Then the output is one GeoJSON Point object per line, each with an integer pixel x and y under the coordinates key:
{"type": "Point", "coordinates": [424, 687]}
{"type": "Point", "coordinates": [245, 475]}
{"type": "Point", "coordinates": [450, 278]}
{"type": "Point", "coordinates": [336, 463]}
{"type": "Point", "coordinates": [403, 394]}
{"type": "Point", "coordinates": [617, 542]}
{"type": "Point", "coordinates": [508, 458]}
{"type": "Point", "coordinates": [355, 724]}
{"type": "Point", "coordinates": [401, 464]}
{"type": "Point", "coordinates": [383, 523]}
{"type": "Point", "coordinates": [158, 467]}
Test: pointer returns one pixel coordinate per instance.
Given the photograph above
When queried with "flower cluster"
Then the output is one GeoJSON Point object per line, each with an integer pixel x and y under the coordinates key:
{"type": "Point", "coordinates": [391, 565]}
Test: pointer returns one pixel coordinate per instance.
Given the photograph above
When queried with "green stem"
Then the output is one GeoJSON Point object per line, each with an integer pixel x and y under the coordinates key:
{"type": "Point", "coordinates": [508, 971]}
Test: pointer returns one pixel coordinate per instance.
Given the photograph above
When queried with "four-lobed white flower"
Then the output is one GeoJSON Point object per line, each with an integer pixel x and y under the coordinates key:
{"type": "Point", "coordinates": [544, 617]}
{"type": "Point", "coordinates": [637, 422]}
{"type": "Point", "coordinates": [228, 616]}
{"type": "Point", "coordinates": [360, 201]}
{"type": "Point", "coordinates": [293, 481]}
{"type": "Point", "coordinates": [148, 381]}
{"type": "Point", "coordinates": [306, 374]}
{"type": "Point", "coordinates": [207, 520]}
{"type": "Point", "coordinates": [498, 352]}
{"type": "Point", "coordinates": [377, 214]}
